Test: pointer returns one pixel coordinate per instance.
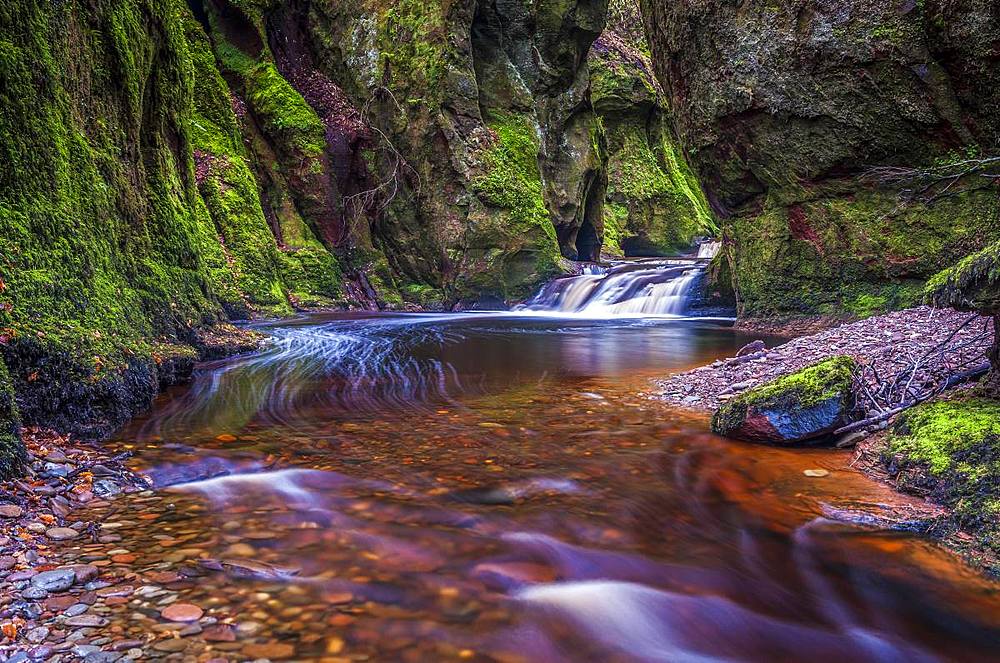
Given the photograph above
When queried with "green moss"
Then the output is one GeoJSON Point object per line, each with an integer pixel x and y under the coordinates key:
{"type": "Point", "coordinates": [515, 239]}
{"type": "Point", "coordinates": [512, 180]}
{"type": "Point", "coordinates": [413, 44]}
{"type": "Point", "coordinates": [283, 112]}
{"type": "Point", "coordinates": [974, 283]}
{"type": "Point", "coordinates": [313, 276]}
{"type": "Point", "coordinates": [830, 378]}
{"type": "Point", "coordinates": [952, 449]}
{"type": "Point", "coordinates": [933, 433]}
{"type": "Point", "coordinates": [839, 256]}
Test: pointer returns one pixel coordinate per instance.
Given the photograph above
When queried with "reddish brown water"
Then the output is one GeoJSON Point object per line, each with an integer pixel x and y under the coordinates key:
{"type": "Point", "coordinates": [431, 488]}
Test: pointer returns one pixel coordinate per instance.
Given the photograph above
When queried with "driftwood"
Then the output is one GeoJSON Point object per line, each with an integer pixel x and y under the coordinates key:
{"type": "Point", "coordinates": [884, 396]}
{"type": "Point", "coordinates": [952, 381]}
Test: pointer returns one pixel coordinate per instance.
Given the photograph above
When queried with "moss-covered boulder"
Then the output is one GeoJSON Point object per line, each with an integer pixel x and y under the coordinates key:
{"type": "Point", "coordinates": [824, 135]}
{"type": "Point", "coordinates": [799, 407]}
{"type": "Point", "coordinates": [951, 449]}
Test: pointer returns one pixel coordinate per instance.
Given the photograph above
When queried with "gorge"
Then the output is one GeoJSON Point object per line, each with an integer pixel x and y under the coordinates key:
{"type": "Point", "coordinates": [364, 330]}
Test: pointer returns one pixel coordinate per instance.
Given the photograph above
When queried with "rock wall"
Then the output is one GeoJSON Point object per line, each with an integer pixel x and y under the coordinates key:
{"type": "Point", "coordinates": [172, 164]}
{"type": "Point", "coordinates": [654, 204]}
{"type": "Point", "coordinates": [827, 136]}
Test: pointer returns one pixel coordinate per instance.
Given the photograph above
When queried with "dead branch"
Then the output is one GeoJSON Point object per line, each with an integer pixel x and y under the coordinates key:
{"type": "Point", "coordinates": [952, 381]}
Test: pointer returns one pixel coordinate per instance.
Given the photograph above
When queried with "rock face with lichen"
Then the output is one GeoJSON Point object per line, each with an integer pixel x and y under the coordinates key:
{"type": "Point", "coordinates": [653, 205]}
{"type": "Point", "coordinates": [799, 407]}
{"type": "Point", "coordinates": [826, 136]}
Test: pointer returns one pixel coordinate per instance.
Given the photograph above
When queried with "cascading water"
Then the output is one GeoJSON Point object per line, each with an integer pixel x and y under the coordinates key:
{"type": "Point", "coordinates": [625, 288]}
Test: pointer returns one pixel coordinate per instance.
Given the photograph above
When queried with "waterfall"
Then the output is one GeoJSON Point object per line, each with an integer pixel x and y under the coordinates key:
{"type": "Point", "coordinates": [708, 250]}
{"type": "Point", "coordinates": [627, 288]}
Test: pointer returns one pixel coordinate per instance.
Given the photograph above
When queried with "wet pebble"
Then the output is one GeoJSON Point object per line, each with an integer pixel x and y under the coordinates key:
{"type": "Point", "coordinates": [57, 580]}
{"type": "Point", "coordinates": [86, 621]}
{"type": "Point", "coordinates": [61, 533]}
{"type": "Point", "coordinates": [182, 612]}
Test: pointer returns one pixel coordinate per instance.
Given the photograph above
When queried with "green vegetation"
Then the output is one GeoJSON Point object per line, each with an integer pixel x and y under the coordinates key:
{"type": "Point", "coordinates": [861, 256]}
{"type": "Point", "coordinates": [973, 283]}
{"type": "Point", "coordinates": [282, 111]}
{"type": "Point", "coordinates": [654, 203]}
{"type": "Point", "coordinates": [413, 43]}
{"type": "Point", "coordinates": [516, 240]}
{"type": "Point", "coordinates": [955, 447]}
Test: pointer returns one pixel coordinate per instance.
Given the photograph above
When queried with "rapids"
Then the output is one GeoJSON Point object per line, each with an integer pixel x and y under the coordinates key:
{"type": "Point", "coordinates": [495, 487]}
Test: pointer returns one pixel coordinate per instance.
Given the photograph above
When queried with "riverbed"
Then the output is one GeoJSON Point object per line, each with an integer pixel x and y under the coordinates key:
{"type": "Point", "coordinates": [499, 487]}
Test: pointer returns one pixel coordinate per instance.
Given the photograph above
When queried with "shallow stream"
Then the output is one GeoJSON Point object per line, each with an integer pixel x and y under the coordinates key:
{"type": "Point", "coordinates": [499, 487]}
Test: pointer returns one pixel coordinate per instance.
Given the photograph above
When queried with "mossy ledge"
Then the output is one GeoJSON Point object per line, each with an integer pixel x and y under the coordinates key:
{"type": "Point", "coordinates": [950, 451]}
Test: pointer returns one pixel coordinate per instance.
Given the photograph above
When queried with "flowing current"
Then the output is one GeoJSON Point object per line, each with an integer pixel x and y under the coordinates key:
{"type": "Point", "coordinates": [497, 487]}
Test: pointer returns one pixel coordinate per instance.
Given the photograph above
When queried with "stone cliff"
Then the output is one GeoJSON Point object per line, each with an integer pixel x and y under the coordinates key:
{"type": "Point", "coordinates": [845, 146]}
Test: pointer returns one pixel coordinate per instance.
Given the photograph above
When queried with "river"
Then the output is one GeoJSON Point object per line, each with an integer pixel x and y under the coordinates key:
{"type": "Point", "coordinates": [500, 487]}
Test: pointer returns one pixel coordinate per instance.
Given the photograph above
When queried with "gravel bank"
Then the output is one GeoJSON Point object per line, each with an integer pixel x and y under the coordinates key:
{"type": "Point", "coordinates": [889, 341]}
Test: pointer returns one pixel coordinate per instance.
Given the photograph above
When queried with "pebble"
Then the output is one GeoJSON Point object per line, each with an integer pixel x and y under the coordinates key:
{"type": "Point", "coordinates": [172, 645]}
{"type": "Point", "coordinates": [182, 612]}
{"type": "Point", "coordinates": [10, 511]}
{"type": "Point", "coordinates": [76, 609]}
{"type": "Point", "coordinates": [86, 621]}
{"type": "Point", "coordinates": [271, 650]}
{"type": "Point", "coordinates": [37, 635]}
{"type": "Point", "coordinates": [57, 580]}
{"type": "Point", "coordinates": [83, 650]}
{"type": "Point", "coordinates": [61, 533]}
{"type": "Point", "coordinates": [816, 473]}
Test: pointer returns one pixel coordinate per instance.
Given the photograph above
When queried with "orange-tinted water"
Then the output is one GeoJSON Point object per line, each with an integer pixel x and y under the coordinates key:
{"type": "Point", "coordinates": [426, 488]}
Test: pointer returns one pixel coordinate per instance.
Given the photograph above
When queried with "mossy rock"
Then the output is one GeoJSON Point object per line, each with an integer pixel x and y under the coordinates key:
{"type": "Point", "coordinates": [803, 406]}
{"type": "Point", "coordinates": [972, 285]}
{"type": "Point", "coordinates": [951, 449]}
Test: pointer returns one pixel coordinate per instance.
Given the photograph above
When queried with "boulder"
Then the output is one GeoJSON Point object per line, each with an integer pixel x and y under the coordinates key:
{"type": "Point", "coordinates": [799, 407]}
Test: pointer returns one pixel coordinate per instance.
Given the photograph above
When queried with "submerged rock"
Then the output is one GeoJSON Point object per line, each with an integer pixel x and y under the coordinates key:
{"type": "Point", "coordinates": [803, 406]}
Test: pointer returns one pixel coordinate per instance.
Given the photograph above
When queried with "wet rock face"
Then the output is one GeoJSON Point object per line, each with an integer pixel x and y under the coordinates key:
{"type": "Point", "coordinates": [784, 105]}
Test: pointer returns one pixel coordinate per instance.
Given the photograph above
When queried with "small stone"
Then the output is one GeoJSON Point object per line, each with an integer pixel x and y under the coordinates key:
{"type": "Point", "coordinates": [248, 628]}
{"type": "Point", "coordinates": [170, 646]}
{"type": "Point", "coordinates": [271, 650]}
{"type": "Point", "coordinates": [84, 572]}
{"type": "Point", "coordinates": [83, 650]}
{"type": "Point", "coordinates": [76, 609]}
{"type": "Point", "coordinates": [10, 511]}
{"type": "Point", "coordinates": [83, 621]}
{"type": "Point", "coordinates": [219, 633]}
{"type": "Point", "coordinates": [33, 593]}
{"type": "Point", "coordinates": [61, 533]}
{"type": "Point", "coordinates": [117, 590]}
{"type": "Point", "coordinates": [106, 488]}
{"type": "Point", "coordinates": [182, 612]}
{"type": "Point", "coordinates": [37, 635]}
{"type": "Point", "coordinates": [57, 580]}
{"type": "Point", "coordinates": [816, 473]}
{"type": "Point", "coordinates": [123, 645]}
